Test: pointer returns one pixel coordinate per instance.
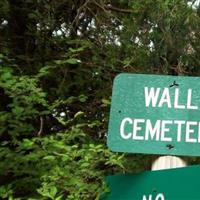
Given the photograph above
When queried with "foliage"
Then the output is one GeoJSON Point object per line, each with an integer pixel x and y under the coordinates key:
{"type": "Point", "coordinates": [57, 63]}
{"type": "Point", "coordinates": [65, 164]}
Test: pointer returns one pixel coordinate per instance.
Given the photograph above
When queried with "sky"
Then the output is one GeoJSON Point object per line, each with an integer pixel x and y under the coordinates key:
{"type": "Point", "coordinates": [196, 3]}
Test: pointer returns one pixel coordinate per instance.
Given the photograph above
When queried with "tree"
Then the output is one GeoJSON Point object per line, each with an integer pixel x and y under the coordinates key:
{"type": "Point", "coordinates": [58, 60]}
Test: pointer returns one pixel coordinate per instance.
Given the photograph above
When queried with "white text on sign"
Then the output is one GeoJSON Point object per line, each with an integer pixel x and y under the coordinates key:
{"type": "Point", "coordinates": [160, 196]}
{"type": "Point", "coordinates": [152, 98]}
{"type": "Point", "coordinates": [159, 130]}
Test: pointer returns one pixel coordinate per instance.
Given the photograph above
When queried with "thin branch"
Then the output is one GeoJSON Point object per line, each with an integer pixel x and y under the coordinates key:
{"type": "Point", "coordinates": [110, 7]}
{"type": "Point", "coordinates": [63, 80]}
{"type": "Point", "coordinates": [96, 18]}
{"type": "Point", "coordinates": [41, 126]}
{"type": "Point", "coordinates": [76, 19]}
{"type": "Point", "coordinates": [101, 6]}
{"type": "Point", "coordinates": [105, 9]}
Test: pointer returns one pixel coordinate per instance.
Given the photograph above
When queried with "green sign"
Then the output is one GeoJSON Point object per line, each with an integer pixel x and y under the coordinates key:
{"type": "Point", "coordinates": [155, 114]}
{"type": "Point", "coordinates": [173, 184]}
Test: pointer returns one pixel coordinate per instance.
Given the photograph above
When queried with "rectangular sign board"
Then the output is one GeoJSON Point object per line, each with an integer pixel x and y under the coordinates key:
{"type": "Point", "coordinates": [155, 114]}
{"type": "Point", "coordinates": [172, 184]}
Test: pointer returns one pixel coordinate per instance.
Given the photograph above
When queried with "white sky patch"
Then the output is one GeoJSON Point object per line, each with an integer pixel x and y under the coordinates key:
{"type": "Point", "coordinates": [57, 33]}
{"type": "Point", "coordinates": [117, 41]}
{"type": "Point", "coordinates": [138, 41]}
{"type": "Point", "coordinates": [62, 114]}
{"type": "Point", "coordinates": [120, 27]}
{"type": "Point", "coordinates": [151, 46]}
{"type": "Point", "coordinates": [62, 31]}
{"type": "Point", "coordinates": [54, 113]}
{"type": "Point", "coordinates": [194, 3]}
{"type": "Point", "coordinates": [91, 25]}
{"type": "Point", "coordinates": [4, 23]}
{"type": "Point", "coordinates": [78, 32]}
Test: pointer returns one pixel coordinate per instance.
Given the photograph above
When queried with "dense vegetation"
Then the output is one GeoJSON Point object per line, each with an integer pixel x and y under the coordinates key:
{"type": "Point", "coordinates": [58, 59]}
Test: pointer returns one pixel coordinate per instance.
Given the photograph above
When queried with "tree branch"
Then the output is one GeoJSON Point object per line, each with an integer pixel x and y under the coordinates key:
{"type": "Point", "coordinates": [110, 7]}
{"type": "Point", "coordinates": [41, 126]}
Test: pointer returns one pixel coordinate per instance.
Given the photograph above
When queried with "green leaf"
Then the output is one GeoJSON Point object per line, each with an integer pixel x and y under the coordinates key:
{"type": "Point", "coordinates": [53, 191]}
{"type": "Point", "coordinates": [106, 102]}
{"type": "Point", "coordinates": [82, 98]}
{"type": "Point", "coordinates": [73, 61]}
{"type": "Point", "coordinates": [78, 114]}
{"type": "Point", "coordinates": [27, 143]}
{"type": "Point", "coordinates": [32, 15]}
{"type": "Point", "coordinates": [45, 71]}
{"type": "Point", "coordinates": [18, 110]}
{"type": "Point", "coordinates": [76, 50]}
{"type": "Point", "coordinates": [59, 197]}
{"type": "Point", "coordinates": [6, 76]}
{"type": "Point", "coordinates": [84, 165]}
{"type": "Point", "coordinates": [50, 158]}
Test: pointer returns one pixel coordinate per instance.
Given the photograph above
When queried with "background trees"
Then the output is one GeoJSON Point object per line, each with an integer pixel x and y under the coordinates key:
{"type": "Point", "coordinates": [57, 62]}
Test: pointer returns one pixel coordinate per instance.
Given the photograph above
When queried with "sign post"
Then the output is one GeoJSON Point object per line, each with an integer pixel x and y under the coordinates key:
{"type": "Point", "coordinates": [168, 162]}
